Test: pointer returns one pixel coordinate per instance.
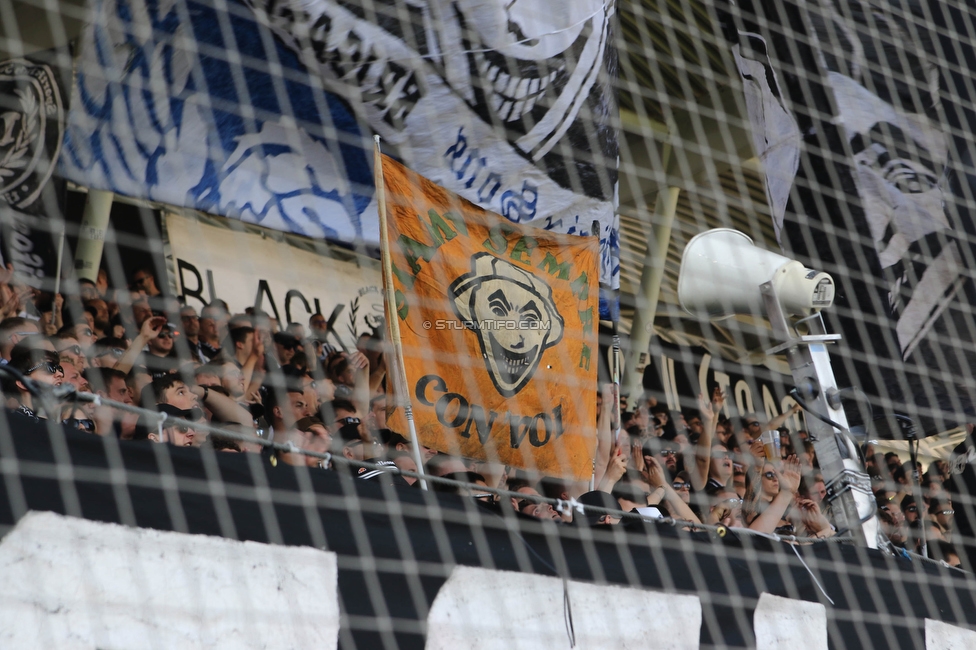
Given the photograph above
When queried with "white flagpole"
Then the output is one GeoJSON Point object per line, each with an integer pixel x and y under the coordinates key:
{"type": "Point", "coordinates": [398, 373]}
{"type": "Point", "coordinates": [615, 372]}
{"type": "Point", "coordinates": [57, 273]}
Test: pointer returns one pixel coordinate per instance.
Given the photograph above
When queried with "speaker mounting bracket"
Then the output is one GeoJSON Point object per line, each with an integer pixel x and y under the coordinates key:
{"type": "Point", "coordinates": [810, 364]}
{"type": "Point", "coordinates": [807, 339]}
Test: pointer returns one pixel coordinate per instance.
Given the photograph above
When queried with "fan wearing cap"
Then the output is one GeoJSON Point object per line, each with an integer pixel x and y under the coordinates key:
{"type": "Point", "coordinates": [285, 346]}
{"type": "Point", "coordinates": [160, 354]}
{"type": "Point", "coordinates": [398, 442]}
{"type": "Point", "coordinates": [35, 358]}
{"type": "Point", "coordinates": [348, 442]}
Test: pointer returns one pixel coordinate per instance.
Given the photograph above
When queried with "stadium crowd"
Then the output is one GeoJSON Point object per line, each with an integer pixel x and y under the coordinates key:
{"type": "Point", "coordinates": [294, 384]}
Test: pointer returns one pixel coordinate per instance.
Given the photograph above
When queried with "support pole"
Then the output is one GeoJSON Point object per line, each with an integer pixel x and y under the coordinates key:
{"type": "Point", "coordinates": [399, 375]}
{"type": "Point", "coordinates": [615, 376]}
{"type": "Point", "coordinates": [60, 259]}
{"type": "Point", "coordinates": [650, 288]}
{"type": "Point", "coordinates": [91, 240]}
{"type": "Point", "coordinates": [848, 487]}
{"type": "Point", "coordinates": [913, 444]}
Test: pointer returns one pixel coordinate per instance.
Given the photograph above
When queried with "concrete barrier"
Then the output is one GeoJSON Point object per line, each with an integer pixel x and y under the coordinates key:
{"type": "Point", "coordinates": [942, 636]}
{"type": "Point", "coordinates": [72, 583]}
{"type": "Point", "coordinates": [787, 623]}
{"type": "Point", "coordinates": [483, 609]}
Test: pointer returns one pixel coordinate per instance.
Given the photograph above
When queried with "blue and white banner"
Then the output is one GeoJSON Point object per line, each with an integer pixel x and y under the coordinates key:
{"type": "Point", "coordinates": [264, 111]}
{"type": "Point", "coordinates": [198, 106]}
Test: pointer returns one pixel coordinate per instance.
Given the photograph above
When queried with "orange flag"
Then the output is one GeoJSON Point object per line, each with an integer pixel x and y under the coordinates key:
{"type": "Point", "coordinates": [498, 324]}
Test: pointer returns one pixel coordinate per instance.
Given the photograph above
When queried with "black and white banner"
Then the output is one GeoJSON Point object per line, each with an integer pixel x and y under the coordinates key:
{"type": "Point", "coordinates": [676, 375]}
{"type": "Point", "coordinates": [31, 130]}
{"type": "Point", "coordinates": [505, 103]}
{"type": "Point", "coordinates": [251, 267]}
{"type": "Point", "coordinates": [862, 116]}
{"type": "Point", "coordinates": [262, 111]}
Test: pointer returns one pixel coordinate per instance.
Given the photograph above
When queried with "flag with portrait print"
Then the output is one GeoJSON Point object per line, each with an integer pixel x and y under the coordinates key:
{"type": "Point", "coordinates": [498, 327]}
{"type": "Point", "coordinates": [866, 145]}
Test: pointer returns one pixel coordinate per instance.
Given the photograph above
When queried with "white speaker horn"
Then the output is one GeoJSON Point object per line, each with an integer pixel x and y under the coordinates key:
{"type": "Point", "coordinates": [721, 271]}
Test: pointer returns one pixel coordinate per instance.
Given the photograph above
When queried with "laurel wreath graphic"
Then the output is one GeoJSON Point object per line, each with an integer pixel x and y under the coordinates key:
{"type": "Point", "coordinates": [353, 309]}
{"type": "Point", "coordinates": [17, 156]}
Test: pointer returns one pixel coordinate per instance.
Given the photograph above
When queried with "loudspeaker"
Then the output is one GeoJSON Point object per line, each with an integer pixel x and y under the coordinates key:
{"type": "Point", "coordinates": [721, 271]}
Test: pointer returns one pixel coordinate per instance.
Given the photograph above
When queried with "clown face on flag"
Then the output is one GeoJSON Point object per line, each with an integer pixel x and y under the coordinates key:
{"type": "Point", "coordinates": [498, 291]}
{"type": "Point", "coordinates": [498, 329]}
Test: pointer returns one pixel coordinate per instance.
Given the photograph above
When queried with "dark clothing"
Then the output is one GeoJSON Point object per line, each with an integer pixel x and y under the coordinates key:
{"type": "Point", "coordinates": [208, 350]}
{"type": "Point", "coordinates": [26, 411]}
{"type": "Point", "coordinates": [159, 366]}
{"type": "Point", "coordinates": [713, 487]}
